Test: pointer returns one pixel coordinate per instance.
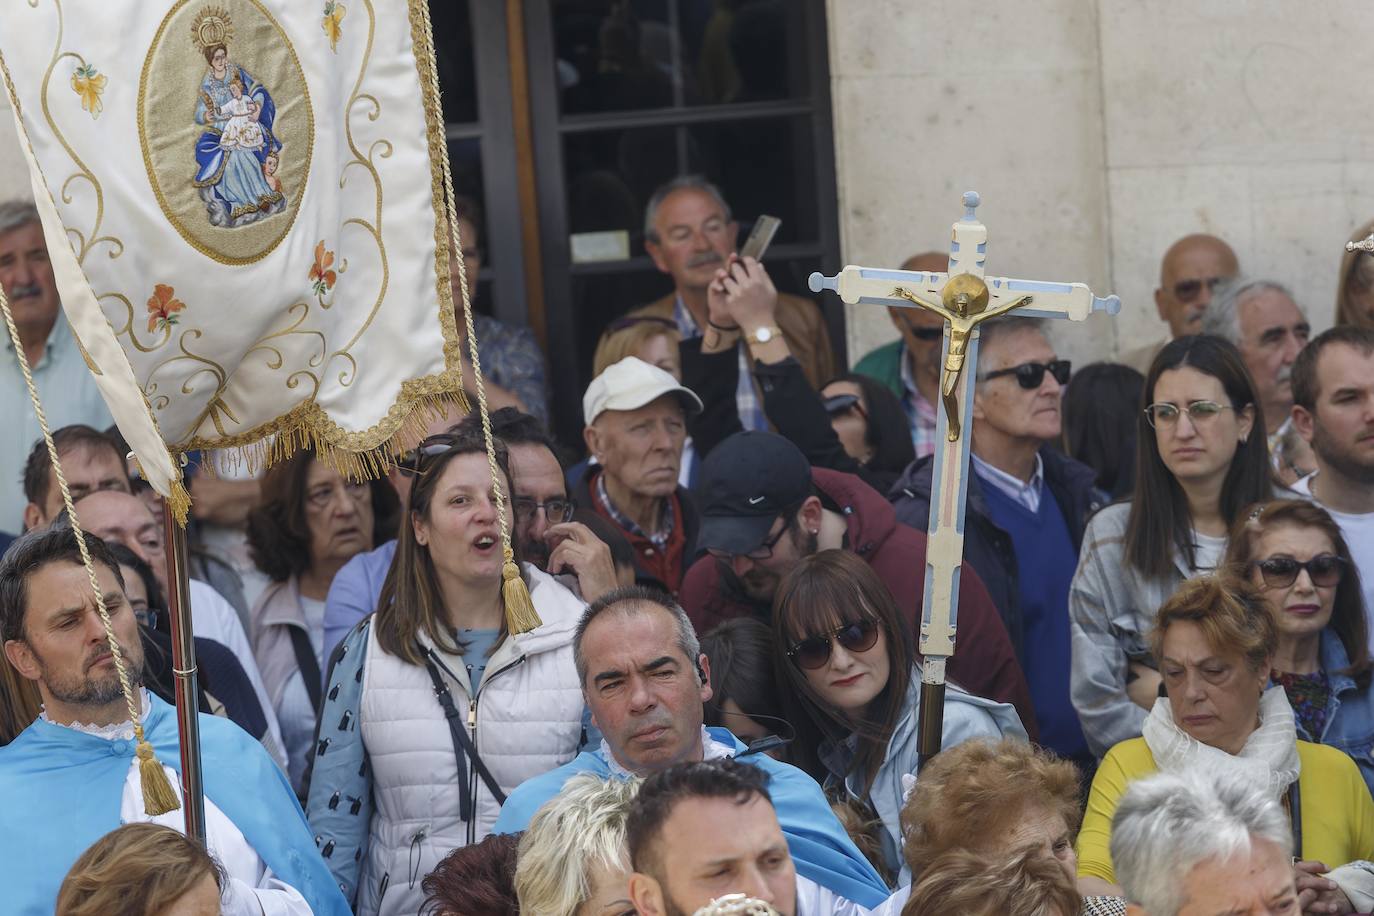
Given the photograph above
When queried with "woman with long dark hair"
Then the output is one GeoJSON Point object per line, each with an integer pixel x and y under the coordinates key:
{"type": "Point", "coordinates": [1100, 405]}
{"type": "Point", "coordinates": [434, 711]}
{"type": "Point", "coordinates": [1201, 458]}
{"type": "Point", "coordinates": [1293, 552]}
{"type": "Point", "coordinates": [849, 673]}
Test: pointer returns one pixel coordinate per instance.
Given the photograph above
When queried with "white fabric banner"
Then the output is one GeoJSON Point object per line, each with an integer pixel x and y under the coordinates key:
{"type": "Point", "coordinates": [243, 203]}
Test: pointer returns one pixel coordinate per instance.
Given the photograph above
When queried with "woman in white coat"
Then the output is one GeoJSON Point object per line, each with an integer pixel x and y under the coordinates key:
{"type": "Point", "coordinates": [434, 711]}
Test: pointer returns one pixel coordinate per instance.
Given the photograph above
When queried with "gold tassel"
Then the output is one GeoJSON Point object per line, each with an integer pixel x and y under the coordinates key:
{"type": "Point", "coordinates": [180, 503]}
{"type": "Point", "coordinates": [521, 616]}
{"type": "Point", "coordinates": [158, 797]}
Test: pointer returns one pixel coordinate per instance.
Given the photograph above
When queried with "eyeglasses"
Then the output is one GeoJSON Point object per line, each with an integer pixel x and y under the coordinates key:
{"type": "Point", "coordinates": [557, 510]}
{"type": "Point", "coordinates": [761, 552]}
{"type": "Point", "coordinates": [1164, 416]}
{"type": "Point", "coordinates": [814, 651]}
{"type": "Point", "coordinates": [1325, 570]}
{"type": "Point", "coordinates": [409, 463]}
{"type": "Point", "coordinates": [322, 497]}
{"type": "Point", "coordinates": [1188, 290]}
{"type": "Point", "coordinates": [1031, 375]}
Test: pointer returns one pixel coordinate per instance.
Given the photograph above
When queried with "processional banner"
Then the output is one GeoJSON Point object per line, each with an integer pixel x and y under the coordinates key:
{"type": "Point", "coordinates": [245, 212]}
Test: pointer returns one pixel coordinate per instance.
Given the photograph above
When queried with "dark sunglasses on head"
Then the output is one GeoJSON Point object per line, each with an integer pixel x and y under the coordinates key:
{"type": "Point", "coordinates": [1325, 570]}
{"type": "Point", "coordinates": [814, 651]}
{"type": "Point", "coordinates": [1031, 375]}
{"type": "Point", "coordinates": [1188, 290]}
{"type": "Point", "coordinates": [411, 462]}
{"type": "Point", "coordinates": [843, 402]}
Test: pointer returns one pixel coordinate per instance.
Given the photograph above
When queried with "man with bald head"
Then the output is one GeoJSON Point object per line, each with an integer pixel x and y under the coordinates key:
{"type": "Point", "coordinates": [1188, 276]}
{"type": "Point", "coordinates": [910, 365]}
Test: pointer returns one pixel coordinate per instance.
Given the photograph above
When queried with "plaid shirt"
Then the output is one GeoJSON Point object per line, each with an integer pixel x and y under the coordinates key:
{"type": "Point", "coordinates": [658, 538]}
{"type": "Point", "coordinates": [921, 415]}
{"type": "Point", "coordinates": [747, 403]}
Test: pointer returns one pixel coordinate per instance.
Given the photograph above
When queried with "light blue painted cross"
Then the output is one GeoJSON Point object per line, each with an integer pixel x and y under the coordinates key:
{"type": "Point", "coordinates": [964, 298]}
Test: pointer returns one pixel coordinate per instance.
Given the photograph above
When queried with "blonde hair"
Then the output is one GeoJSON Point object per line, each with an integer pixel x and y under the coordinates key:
{"type": "Point", "coordinates": [135, 870]}
{"type": "Point", "coordinates": [581, 829]}
{"type": "Point", "coordinates": [1232, 614]}
{"type": "Point", "coordinates": [1026, 883]}
{"type": "Point", "coordinates": [628, 341]}
{"type": "Point", "coordinates": [968, 796]}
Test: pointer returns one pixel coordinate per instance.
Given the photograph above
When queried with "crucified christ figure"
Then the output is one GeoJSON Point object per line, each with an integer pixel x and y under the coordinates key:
{"type": "Point", "coordinates": [965, 306]}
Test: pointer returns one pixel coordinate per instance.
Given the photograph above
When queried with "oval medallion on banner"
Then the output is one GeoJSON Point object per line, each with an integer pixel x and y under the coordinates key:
{"type": "Point", "coordinates": [226, 127]}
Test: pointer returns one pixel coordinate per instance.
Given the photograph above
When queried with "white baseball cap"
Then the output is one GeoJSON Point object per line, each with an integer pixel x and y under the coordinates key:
{"type": "Point", "coordinates": [629, 385]}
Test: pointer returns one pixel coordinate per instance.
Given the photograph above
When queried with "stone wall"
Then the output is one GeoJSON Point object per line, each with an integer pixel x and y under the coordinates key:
{"type": "Point", "coordinates": [1099, 132]}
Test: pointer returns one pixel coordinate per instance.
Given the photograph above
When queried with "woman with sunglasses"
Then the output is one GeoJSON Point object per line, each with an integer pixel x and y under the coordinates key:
{"type": "Point", "coordinates": [1201, 457]}
{"type": "Point", "coordinates": [433, 710]}
{"type": "Point", "coordinates": [850, 680]}
{"type": "Point", "coordinates": [1293, 552]}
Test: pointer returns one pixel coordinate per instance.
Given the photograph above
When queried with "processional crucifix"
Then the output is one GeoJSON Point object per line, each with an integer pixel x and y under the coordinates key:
{"type": "Point", "coordinates": [964, 298]}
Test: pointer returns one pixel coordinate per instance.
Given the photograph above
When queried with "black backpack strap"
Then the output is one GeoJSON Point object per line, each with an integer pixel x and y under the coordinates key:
{"type": "Point", "coordinates": [310, 667]}
{"type": "Point", "coordinates": [463, 748]}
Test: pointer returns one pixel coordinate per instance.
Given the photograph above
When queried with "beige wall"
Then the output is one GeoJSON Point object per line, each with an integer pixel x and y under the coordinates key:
{"type": "Point", "coordinates": [1099, 132]}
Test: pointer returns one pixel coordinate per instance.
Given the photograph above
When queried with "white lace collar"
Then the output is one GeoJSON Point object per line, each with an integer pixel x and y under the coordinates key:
{"type": "Point", "coordinates": [711, 749]}
{"type": "Point", "coordinates": [120, 730]}
{"type": "Point", "coordinates": [1269, 758]}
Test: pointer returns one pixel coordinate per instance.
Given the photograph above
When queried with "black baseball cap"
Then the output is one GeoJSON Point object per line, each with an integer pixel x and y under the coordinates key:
{"type": "Point", "coordinates": [746, 482]}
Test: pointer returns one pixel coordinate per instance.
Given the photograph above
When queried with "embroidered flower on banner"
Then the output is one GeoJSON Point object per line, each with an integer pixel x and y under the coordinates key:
{"type": "Point", "coordinates": [163, 307]}
{"type": "Point", "coordinates": [333, 22]}
{"type": "Point", "coordinates": [89, 84]}
{"type": "Point", "coordinates": [320, 274]}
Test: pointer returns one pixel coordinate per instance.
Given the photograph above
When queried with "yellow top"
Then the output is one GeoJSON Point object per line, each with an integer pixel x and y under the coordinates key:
{"type": "Point", "coordinates": [1337, 811]}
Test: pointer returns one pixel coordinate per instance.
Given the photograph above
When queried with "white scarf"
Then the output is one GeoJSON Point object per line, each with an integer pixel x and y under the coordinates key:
{"type": "Point", "coordinates": [1269, 758]}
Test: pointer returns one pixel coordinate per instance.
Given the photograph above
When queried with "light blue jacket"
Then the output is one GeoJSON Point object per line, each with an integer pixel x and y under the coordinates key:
{"type": "Point", "coordinates": [822, 851]}
{"type": "Point", "coordinates": [1349, 710]}
{"type": "Point", "coordinates": [966, 717]}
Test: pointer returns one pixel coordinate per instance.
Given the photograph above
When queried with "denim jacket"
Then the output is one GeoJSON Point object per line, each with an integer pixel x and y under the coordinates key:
{"type": "Point", "coordinates": [1349, 710]}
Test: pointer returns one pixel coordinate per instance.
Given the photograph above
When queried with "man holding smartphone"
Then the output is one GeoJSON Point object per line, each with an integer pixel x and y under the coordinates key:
{"type": "Point", "coordinates": [690, 234]}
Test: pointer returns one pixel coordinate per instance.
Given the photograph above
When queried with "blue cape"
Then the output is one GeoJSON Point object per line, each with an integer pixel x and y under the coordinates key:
{"type": "Point", "coordinates": [820, 848]}
{"type": "Point", "coordinates": [61, 792]}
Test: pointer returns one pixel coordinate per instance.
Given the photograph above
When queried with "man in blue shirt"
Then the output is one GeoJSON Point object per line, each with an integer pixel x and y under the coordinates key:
{"type": "Point", "coordinates": [645, 679]}
{"type": "Point", "coordinates": [1027, 507]}
{"type": "Point", "coordinates": [65, 386]}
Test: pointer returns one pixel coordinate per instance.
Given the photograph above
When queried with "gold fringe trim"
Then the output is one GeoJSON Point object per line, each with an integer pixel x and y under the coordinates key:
{"type": "Point", "coordinates": [294, 434]}
{"type": "Point", "coordinates": [158, 797]}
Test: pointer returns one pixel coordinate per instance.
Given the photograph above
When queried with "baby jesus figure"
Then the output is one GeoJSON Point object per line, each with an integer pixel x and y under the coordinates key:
{"type": "Point", "coordinates": [242, 130]}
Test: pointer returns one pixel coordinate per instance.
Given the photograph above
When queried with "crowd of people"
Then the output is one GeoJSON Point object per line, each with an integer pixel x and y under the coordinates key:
{"type": "Point", "coordinates": [1160, 702]}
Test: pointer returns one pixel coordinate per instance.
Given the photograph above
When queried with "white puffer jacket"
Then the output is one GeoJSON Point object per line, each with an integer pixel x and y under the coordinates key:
{"type": "Point", "coordinates": [525, 719]}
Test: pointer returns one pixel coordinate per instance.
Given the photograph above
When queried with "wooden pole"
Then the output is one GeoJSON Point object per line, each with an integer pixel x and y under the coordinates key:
{"type": "Point", "coordinates": [184, 675]}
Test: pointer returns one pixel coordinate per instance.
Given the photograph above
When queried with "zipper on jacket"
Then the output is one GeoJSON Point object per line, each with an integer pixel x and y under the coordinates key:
{"type": "Point", "coordinates": [472, 733]}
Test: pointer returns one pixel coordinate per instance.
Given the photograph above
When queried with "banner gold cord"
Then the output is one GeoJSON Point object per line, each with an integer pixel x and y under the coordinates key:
{"type": "Point", "coordinates": [521, 616]}
{"type": "Point", "coordinates": [158, 797]}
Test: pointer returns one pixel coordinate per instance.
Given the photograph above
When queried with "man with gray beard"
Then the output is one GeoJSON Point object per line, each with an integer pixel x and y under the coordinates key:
{"type": "Point", "coordinates": [65, 386]}
{"type": "Point", "coordinates": [1266, 325]}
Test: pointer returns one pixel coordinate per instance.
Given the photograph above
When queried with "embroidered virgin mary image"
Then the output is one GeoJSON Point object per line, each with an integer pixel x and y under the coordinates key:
{"type": "Point", "coordinates": [237, 153]}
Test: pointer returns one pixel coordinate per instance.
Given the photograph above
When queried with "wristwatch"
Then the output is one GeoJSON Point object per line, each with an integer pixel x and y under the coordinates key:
{"type": "Point", "coordinates": [763, 335]}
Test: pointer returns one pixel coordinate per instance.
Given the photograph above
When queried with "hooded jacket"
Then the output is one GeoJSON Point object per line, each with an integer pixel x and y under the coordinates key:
{"type": "Point", "coordinates": [983, 663]}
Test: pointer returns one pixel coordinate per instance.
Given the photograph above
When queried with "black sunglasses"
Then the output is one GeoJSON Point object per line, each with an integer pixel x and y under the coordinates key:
{"type": "Point", "coordinates": [411, 462]}
{"type": "Point", "coordinates": [1031, 375]}
{"type": "Point", "coordinates": [814, 651]}
{"type": "Point", "coordinates": [1325, 570]}
{"type": "Point", "coordinates": [1188, 290]}
{"type": "Point", "coordinates": [843, 402]}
